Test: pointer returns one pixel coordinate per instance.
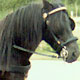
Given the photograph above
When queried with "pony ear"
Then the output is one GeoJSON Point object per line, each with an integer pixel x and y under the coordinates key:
{"type": "Point", "coordinates": [72, 23]}
{"type": "Point", "coordinates": [47, 5]}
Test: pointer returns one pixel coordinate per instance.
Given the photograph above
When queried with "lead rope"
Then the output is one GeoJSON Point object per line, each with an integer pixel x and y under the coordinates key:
{"type": "Point", "coordinates": [33, 52]}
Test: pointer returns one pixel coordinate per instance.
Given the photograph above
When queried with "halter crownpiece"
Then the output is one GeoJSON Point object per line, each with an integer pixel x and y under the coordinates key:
{"type": "Point", "coordinates": [53, 11]}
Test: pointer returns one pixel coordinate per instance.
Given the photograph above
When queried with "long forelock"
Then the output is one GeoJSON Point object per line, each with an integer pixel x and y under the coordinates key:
{"type": "Point", "coordinates": [60, 22]}
{"type": "Point", "coordinates": [60, 19]}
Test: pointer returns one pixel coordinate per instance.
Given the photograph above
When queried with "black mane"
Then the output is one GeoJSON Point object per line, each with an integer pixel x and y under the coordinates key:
{"type": "Point", "coordinates": [23, 28]}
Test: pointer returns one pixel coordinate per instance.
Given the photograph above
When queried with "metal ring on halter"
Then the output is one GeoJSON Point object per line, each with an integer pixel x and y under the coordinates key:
{"type": "Point", "coordinates": [64, 53]}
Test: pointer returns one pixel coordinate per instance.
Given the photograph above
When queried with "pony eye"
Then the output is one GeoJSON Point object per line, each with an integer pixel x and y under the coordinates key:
{"type": "Point", "coordinates": [47, 22]}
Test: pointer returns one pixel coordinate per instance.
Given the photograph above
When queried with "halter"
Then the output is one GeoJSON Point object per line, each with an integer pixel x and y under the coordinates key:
{"type": "Point", "coordinates": [45, 15]}
{"type": "Point", "coordinates": [62, 46]}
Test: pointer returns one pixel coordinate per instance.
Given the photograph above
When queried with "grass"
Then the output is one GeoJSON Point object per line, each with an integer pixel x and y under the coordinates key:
{"type": "Point", "coordinates": [44, 48]}
{"type": "Point", "coordinates": [3, 14]}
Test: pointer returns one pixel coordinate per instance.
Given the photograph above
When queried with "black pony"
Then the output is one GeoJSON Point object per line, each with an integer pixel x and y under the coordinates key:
{"type": "Point", "coordinates": [26, 28]}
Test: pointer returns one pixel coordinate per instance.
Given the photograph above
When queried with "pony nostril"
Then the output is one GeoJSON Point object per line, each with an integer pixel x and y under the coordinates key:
{"type": "Point", "coordinates": [73, 54]}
